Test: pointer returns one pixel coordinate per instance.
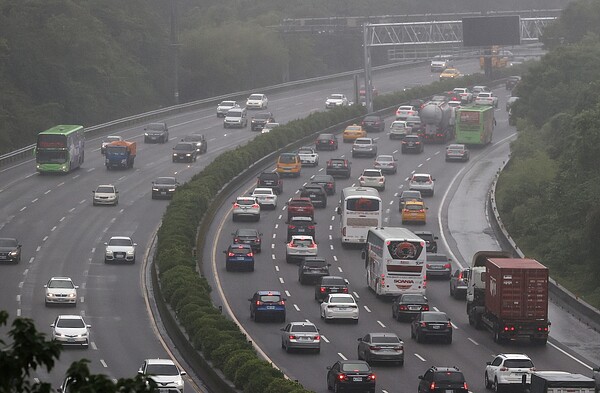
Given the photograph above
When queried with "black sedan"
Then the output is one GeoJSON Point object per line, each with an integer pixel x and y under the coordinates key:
{"type": "Point", "coordinates": [164, 187]}
{"type": "Point", "coordinates": [347, 375]}
{"type": "Point", "coordinates": [330, 284]}
{"type": "Point", "coordinates": [312, 268]}
{"type": "Point", "coordinates": [185, 151]}
{"type": "Point", "coordinates": [10, 250]}
{"type": "Point", "coordinates": [373, 123]}
{"type": "Point", "coordinates": [300, 225]}
{"type": "Point", "coordinates": [409, 306]}
{"type": "Point", "coordinates": [248, 236]}
{"type": "Point", "coordinates": [431, 324]}
{"type": "Point", "coordinates": [327, 181]}
{"type": "Point", "coordinates": [326, 142]}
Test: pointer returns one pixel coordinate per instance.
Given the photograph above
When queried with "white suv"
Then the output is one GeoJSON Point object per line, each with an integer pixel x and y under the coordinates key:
{"type": "Point", "coordinates": [246, 207]}
{"type": "Point", "coordinates": [257, 101]}
{"type": "Point", "coordinates": [265, 196]}
{"type": "Point", "coordinates": [120, 249]}
{"type": "Point", "coordinates": [508, 369]}
{"type": "Point", "coordinates": [299, 247]}
{"type": "Point", "coordinates": [168, 377]}
{"type": "Point", "coordinates": [422, 182]}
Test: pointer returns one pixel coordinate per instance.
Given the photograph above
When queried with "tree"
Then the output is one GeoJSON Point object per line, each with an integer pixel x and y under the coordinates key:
{"type": "Point", "coordinates": [29, 349]}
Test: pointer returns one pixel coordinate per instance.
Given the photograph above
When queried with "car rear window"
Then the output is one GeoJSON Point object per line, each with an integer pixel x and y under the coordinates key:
{"type": "Point", "coordinates": [421, 179]}
{"type": "Point", "coordinates": [355, 367]}
{"type": "Point", "coordinates": [269, 176]}
{"type": "Point", "coordinates": [315, 263]}
{"type": "Point", "coordinates": [337, 163]}
{"type": "Point", "coordinates": [287, 158]}
{"type": "Point", "coordinates": [385, 340]}
{"type": "Point", "coordinates": [434, 317]}
{"type": "Point", "coordinates": [193, 138]}
{"type": "Point", "coordinates": [269, 298]}
{"type": "Point", "coordinates": [262, 116]}
{"type": "Point", "coordinates": [413, 206]}
{"type": "Point", "coordinates": [301, 220]}
{"type": "Point", "coordinates": [333, 281]}
{"type": "Point", "coordinates": [372, 173]}
{"type": "Point", "coordinates": [303, 329]}
{"type": "Point", "coordinates": [518, 363]}
{"type": "Point", "coordinates": [246, 232]}
{"type": "Point", "coordinates": [341, 299]}
{"type": "Point", "coordinates": [437, 258]}
{"type": "Point", "coordinates": [413, 298]}
{"type": "Point", "coordinates": [302, 242]}
{"type": "Point", "coordinates": [245, 202]}
{"type": "Point", "coordinates": [449, 376]}
{"type": "Point", "coordinates": [238, 250]}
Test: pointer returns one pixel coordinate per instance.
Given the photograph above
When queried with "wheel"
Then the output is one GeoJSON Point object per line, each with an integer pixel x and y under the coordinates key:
{"type": "Point", "coordinates": [412, 334]}
{"type": "Point", "coordinates": [234, 217]}
{"type": "Point", "coordinates": [419, 337]}
{"type": "Point", "coordinates": [336, 387]}
{"type": "Point", "coordinates": [487, 382]}
{"type": "Point", "coordinates": [496, 386]}
{"type": "Point", "coordinates": [449, 340]}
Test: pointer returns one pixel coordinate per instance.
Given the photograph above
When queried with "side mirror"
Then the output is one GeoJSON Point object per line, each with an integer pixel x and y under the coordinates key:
{"type": "Point", "coordinates": [134, 244]}
{"type": "Point", "coordinates": [105, 243]}
{"type": "Point", "coordinates": [116, 191]}
{"type": "Point", "coordinates": [224, 251]}
{"type": "Point", "coordinates": [45, 286]}
{"type": "Point", "coordinates": [420, 377]}
{"type": "Point", "coordinates": [232, 233]}
{"type": "Point", "coordinates": [250, 299]}
{"type": "Point", "coordinates": [88, 326]}
{"type": "Point", "coordinates": [140, 372]}
{"type": "Point", "coordinates": [260, 234]}
{"type": "Point", "coordinates": [282, 329]}
{"type": "Point", "coordinates": [359, 339]}
{"type": "Point", "coordinates": [488, 363]}
{"type": "Point", "coordinates": [182, 373]}
{"type": "Point", "coordinates": [328, 367]}
{"type": "Point", "coordinates": [52, 325]}
{"type": "Point", "coordinates": [76, 286]}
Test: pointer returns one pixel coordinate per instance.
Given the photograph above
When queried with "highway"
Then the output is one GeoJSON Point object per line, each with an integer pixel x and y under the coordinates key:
{"type": "Point", "coordinates": [63, 234]}
{"type": "Point", "coordinates": [456, 213]}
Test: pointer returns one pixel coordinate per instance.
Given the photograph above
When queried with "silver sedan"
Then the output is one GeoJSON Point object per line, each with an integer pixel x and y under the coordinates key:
{"type": "Point", "coordinates": [300, 335]}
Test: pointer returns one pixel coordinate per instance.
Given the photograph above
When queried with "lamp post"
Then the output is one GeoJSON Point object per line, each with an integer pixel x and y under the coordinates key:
{"type": "Point", "coordinates": [175, 49]}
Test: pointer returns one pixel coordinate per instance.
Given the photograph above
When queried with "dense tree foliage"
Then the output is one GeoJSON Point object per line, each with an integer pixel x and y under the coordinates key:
{"type": "Point", "coordinates": [549, 196]}
{"type": "Point", "coordinates": [29, 350]}
{"type": "Point", "coordinates": [91, 61]}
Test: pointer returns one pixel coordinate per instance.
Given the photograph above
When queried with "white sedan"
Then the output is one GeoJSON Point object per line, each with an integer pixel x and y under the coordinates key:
{"type": "Point", "coordinates": [299, 247]}
{"type": "Point", "coordinates": [308, 156]}
{"type": "Point", "coordinates": [265, 197]}
{"type": "Point", "coordinates": [487, 98]}
{"type": "Point", "coordinates": [61, 290]}
{"type": "Point", "coordinates": [336, 100]}
{"type": "Point", "coordinates": [372, 178]}
{"type": "Point", "coordinates": [257, 101]}
{"type": "Point", "coordinates": [71, 330]}
{"type": "Point", "coordinates": [339, 306]}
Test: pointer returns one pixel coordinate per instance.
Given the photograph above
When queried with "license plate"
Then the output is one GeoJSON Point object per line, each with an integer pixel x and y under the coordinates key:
{"type": "Point", "coordinates": [333, 290]}
{"type": "Point", "coordinates": [240, 258]}
{"type": "Point", "coordinates": [312, 195]}
{"type": "Point", "coordinates": [357, 379]}
{"type": "Point", "coordinates": [163, 193]}
{"type": "Point", "coordinates": [413, 308]}
{"type": "Point", "coordinates": [436, 326]}
{"type": "Point", "coordinates": [270, 307]}
{"type": "Point", "coordinates": [71, 340]}
{"type": "Point", "coordinates": [3, 257]}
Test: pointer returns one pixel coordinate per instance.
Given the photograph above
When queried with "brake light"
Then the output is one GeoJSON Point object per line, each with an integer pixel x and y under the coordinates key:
{"type": "Point", "coordinates": [291, 227]}
{"type": "Point", "coordinates": [258, 303]}
{"type": "Point", "coordinates": [313, 245]}
{"type": "Point", "coordinates": [432, 386]}
{"type": "Point", "coordinates": [425, 308]}
{"type": "Point", "coordinates": [399, 348]}
{"type": "Point", "coordinates": [447, 266]}
{"type": "Point", "coordinates": [317, 338]}
{"type": "Point", "coordinates": [311, 227]}
{"type": "Point", "coordinates": [322, 289]}
{"type": "Point", "coordinates": [423, 324]}
{"type": "Point", "coordinates": [345, 290]}
{"type": "Point", "coordinates": [503, 368]}
{"type": "Point", "coordinates": [291, 244]}
{"type": "Point", "coordinates": [361, 179]}
{"type": "Point", "coordinates": [465, 386]}
{"type": "Point", "coordinates": [403, 307]}
{"type": "Point", "coordinates": [374, 348]}
{"type": "Point", "coordinates": [281, 302]}
{"type": "Point", "coordinates": [381, 180]}
{"type": "Point", "coordinates": [255, 205]}
{"type": "Point", "coordinates": [236, 205]}
{"type": "Point", "coordinates": [331, 142]}
{"type": "Point", "coordinates": [449, 325]}
{"type": "Point", "coordinates": [292, 337]}
{"type": "Point", "coordinates": [460, 276]}
{"type": "Point", "coordinates": [342, 377]}
{"type": "Point", "coordinates": [230, 254]}
{"type": "Point", "coordinates": [250, 254]}
{"type": "Point", "coordinates": [235, 240]}
{"type": "Point", "coordinates": [371, 377]}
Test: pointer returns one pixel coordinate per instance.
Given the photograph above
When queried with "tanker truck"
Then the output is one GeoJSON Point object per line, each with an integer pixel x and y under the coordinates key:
{"type": "Point", "coordinates": [437, 119]}
{"type": "Point", "coordinates": [120, 154]}
{"type": "Point", "coordinates": [508, 296]}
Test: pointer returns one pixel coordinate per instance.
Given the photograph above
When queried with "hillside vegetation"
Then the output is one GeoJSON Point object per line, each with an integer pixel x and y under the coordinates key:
{"type": "Point", "coordinates": [91, 61]}
{"type": "Point", "coordinates": [549, 195]}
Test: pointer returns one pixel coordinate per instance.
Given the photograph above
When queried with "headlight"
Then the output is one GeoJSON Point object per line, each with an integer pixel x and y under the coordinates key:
{"type": "Point", "coordinates": [155, 189]}
{"type": "Point", "coordinates": [72, 295]}
{"type": "Point", "coordinates": [145, 134]}
{"type": "Point", "coordinates": [188, 155]}
{"type": "Point", "coordinates": [130, 252]}
{"type": "Point", "coordinates": [14, 253]}
{"type": "Point", "coordinates": [174, 154]}
{"type": "Point", "coordinates": [57, 334]}
{"type": "Point", "coordinates": [83, 334]}
{"type": "Point", "coordinates": [49, 295]}
{"type": "Point", "coordinates": [171, 190]}
{"type": "Point", "coordinates": [108, 252]}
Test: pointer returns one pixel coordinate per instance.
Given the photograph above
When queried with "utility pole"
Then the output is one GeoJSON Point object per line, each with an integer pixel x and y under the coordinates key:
{"type": "Point", "coordinates": [368, 83]}
{"type": "Point", "coordinates": [175, 49]}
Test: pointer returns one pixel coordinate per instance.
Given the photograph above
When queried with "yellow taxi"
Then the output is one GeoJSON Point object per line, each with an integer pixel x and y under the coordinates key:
{"type": "Point", "coordinates": [450, 73]}
{"type": "Point", "coordinates": [353, 132]}
{"type": "Point", "coordinates": [289, 164]}
{"type": "Point", "coordinates": [414, 211]}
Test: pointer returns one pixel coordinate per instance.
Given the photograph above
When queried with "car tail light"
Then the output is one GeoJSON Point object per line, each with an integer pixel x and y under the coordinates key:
{"type": "Point", "coordinates": [361, 179]}
{"type": "Point", "coordinates": [399, 348]}
{"type": "Point", "coordinates": [371, 377]}
{"type": "Point", "coordinates": [446, 266]}
{"type": "Point", "coordinates": [292, 337]}
{"type": "Point", "coordinates": [258, 240]}
{"type": "Point", "coordinates": [235, 240]}
{"type": "Point", "coordinates": [281, 302]}
{"type": "Point", "coordinates": [421, 211]}
{"type": "Point", "coordinates": [322, 289]}
{"type": "Point", "coordinates": [331, 142]}
{"type": "Point", "coordinates": [381, 180]}
{"type": "Point", "coordinates": [423, 324]}
{"type": "Point", "coordinates": [465, 386]}
{"type": "Point", "coordinates": [311, 227]}
{"type": "Point", "coordinates": [255, 205]}
{"type": "Point", "coordinates": [449, 325]}
{"type": "Point", "coordinates": [259, 303]}
{"type": "Point", "coordinates": [345, 290]}
{"type": "Point", "coordinates": [432, 386]}
{"type": "Point", "coordinates": [374, 348]}
{"type": "Point", "coordinates": [250, 254]}
{"type": "Point", "coordinates": [317, 337]}
{"type": "Point", "coordinates": [403, 307]}
{"type": "Point", "coordinates": [313, 245]}
{"type": "Point", "coordinates": [503, 368]}
{"type": "Point", "coordinates": [425, 308]}
{"type": "Point", "coordinates": [291, 227]}
{"type": "Point", "coordinates": [230, 254]}
{"type": "Point", "coordinates": [236, 205]}
{"type": "Point", "coordinates": [342, 377]}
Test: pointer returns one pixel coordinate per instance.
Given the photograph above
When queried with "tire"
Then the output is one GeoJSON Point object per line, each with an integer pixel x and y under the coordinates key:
{"type": "Point", "coordinates": [449, 340]}
{"type": "Point", "coordinates": [496, 386]}
{"type": "Point", "coordinates": [234, 218]}
{"type": "Point", "coordinates": [419, 337]}
{"type": "Point", "coordinates": [487, 382]}
{"type": "Point", "coordinates": [336, 387]}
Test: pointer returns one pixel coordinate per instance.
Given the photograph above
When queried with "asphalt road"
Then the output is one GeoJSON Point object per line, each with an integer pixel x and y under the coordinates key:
{"type": "Point", "coordinates": [63, 234]}
{"type": "Point", "coordinates": [456, 213]}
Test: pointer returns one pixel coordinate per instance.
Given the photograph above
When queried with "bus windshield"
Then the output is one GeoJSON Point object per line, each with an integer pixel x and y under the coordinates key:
{"type": "Point", "coordinates": [51, 156]}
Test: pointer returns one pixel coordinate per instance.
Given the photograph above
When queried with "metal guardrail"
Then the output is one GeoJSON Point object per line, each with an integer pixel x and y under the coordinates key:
{"type": "Point", "coordinates": [570, 302]}
{"type": "Point", "coordinates": [27, 151]}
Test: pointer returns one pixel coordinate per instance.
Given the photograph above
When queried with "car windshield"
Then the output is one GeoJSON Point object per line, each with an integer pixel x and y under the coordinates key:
{"type": "Point", "coordinates": [372, 173]}
{"type": "Point", "coordinates": [184, 146]}
{"type": "Point", "coordinates": [385, 339]}
{"type": "Point", "coordinates": [60, 284]}
{"type": "Point", "coordinates": [341, 299]}
{"type": "Point", "coordinates": [287, 158]}
{"type": "Point", "coordinates": [333, 281]}
{"type": "Point", "coordinates": [355, 367]}
{"type": "Point", "coordinates": [305, 151]}
{"type": "Point", "coordinates": [162, 369]}
{"type": "Point", "coordinates": [106, 190]}
{"type": "Point", "coordinates": [434, 317]}
{"type": "Point", "coordinates": [255, 97]}
{"type": "Point", "coordinates": [413, 298]}
{"type": "Point", "coordinates": [8, 243]}
{"type": "Point", "coordinates": [518, 363]}
{"type": "Point", "coordinates": [385, 158]}
{"type": "Point", "coordinates": [193, 138]}
{"type": "Point", "coordinates": [166, 180]}
{"type": "Point", "coordinates": [72, 323]}
{"type": "Point", "coordinates": [303, 329]}
{"type": "Point", "coordinates": [410, 194]}
{"type": "Point", "coordinates": [119, 242]}
{"type": "Point", "coordinates": [227, 103]}
{"type": "Point", "coordinates": [448, 376]}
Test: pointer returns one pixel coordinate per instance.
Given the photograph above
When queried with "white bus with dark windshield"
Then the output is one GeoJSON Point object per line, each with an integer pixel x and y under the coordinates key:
{"type": "Point", "coordinates": [360, 208]}
{"type": "Point", "coordinates": [395, 260]}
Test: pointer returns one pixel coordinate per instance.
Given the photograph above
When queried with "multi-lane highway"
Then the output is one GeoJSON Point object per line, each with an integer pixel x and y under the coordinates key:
{"type": "Point", "coordinates": [63, 234]}
{"type": "Point", "coordinates": [456, 213]}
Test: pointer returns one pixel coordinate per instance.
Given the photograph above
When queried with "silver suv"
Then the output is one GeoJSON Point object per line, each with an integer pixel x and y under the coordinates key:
{"type": "Point", "coordinates": [156, 132]}
{"type": "Point", "coordinates": [422, 182]}
{"type": "Point", "coordinates": [236, 117]}
{"type": "Point", "coordinates": [364, 147]}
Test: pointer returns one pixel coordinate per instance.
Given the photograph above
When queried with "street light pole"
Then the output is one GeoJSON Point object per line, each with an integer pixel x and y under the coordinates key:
{"type": "Point", "coordinates": [175, 49]}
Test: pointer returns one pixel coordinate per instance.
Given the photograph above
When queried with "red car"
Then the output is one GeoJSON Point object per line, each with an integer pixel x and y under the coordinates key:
{"type": "Point", "coordinates": [300, 207]}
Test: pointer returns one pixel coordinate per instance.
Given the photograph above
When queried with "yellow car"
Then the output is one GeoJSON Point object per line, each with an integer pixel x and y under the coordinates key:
{"type": "Point", "coordinates": [353, 132]}
{"type": "Point", "coordinates": [289, 164]}
{"type": "Point", "coordinates": [450, 73]}
{"type": "Point", "coordinates": [414, 211]}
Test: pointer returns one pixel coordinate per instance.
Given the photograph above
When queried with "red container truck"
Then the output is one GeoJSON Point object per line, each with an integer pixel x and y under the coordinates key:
{"type": "Point", "coordinates": [508, 296]}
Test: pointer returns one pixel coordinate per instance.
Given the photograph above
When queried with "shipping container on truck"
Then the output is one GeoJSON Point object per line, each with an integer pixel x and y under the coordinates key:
{"type": "Point", "coordinates": [560, 382]}
{"type": "Point", "coordinates": [509, 297]}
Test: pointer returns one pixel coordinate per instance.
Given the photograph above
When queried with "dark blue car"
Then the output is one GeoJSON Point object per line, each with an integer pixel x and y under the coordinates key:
{"type": "Point", "coordinates": [239, 256]}
{"type": "Point", "coordinates": [267, 304]}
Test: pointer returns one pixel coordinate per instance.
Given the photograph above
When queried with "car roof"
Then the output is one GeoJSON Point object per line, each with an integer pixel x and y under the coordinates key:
{"type": "Point", "coordinates": [70, 316]}
{"type": "Point", "coordinates": [163, 178]}
{"type": "Point", "coordinates": [363, 139]}
{"type": "Point", "coordinates": [273, 293]}
{"type": "Point", "coordinates": [302, 237]}
{"type": "Point", "coordinates": [246, 198]}
{"type": "Point", "coordinates": [238, 245]}
{"type": "Point", "coordinates": [303, 323]}
{"type": "Point", "coordinates": [263, 189]}
{"type": "Point", "coordinates": [105, 185]}
{"type": "Point", "coordinates": [120, 237]}
{"type": "Point", "coordinates": [159, 361]}
{"type": "Point", "coordinates": [383, 334]}
{"type": "Point", "coordinates": [421, 174]}
{"type": "Point", "coordinates": [514, 356]}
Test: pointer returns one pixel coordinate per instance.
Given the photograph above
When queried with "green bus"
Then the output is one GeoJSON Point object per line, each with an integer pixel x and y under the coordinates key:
{"type": "Point", "coordinates": [474, 124]}
{"type": "Point", "coordinates": [60, 149]}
